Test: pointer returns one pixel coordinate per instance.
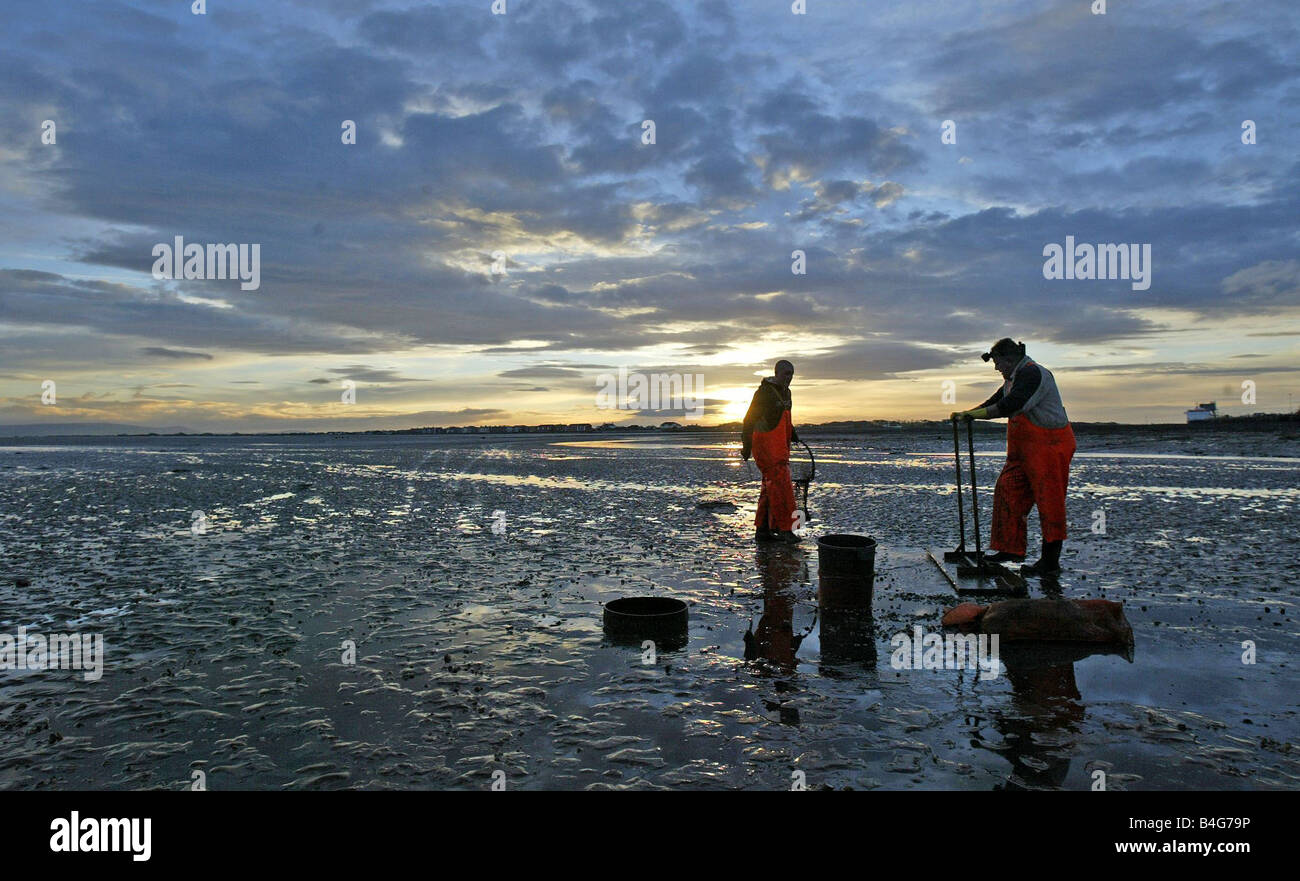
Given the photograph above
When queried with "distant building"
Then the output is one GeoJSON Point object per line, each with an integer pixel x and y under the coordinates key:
{"type": "Point", "coordinates": [579, 426]}
{"type": "Point", "coordinates": [670, 426]}
{"type": "Point", "coordinates": [607, 426]}
{"type": "Point", "coordinates": [1203, 412]}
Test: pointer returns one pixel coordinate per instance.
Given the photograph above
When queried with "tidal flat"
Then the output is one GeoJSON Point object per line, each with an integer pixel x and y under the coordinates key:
{"type": "Point", "coordinates": [353, 612]}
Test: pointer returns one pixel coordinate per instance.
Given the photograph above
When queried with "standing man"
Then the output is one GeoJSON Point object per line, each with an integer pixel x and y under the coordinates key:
{"type": "Point", "coordinates": [767, 433]}
{"type": "Point", "coordinates": [1040, 445]}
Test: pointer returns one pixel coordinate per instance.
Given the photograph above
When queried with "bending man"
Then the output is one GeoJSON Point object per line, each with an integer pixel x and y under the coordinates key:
{"type": "Point", "coordinates": [1040, 445]}
{"type": "Point", "coordinates": [767, 433]}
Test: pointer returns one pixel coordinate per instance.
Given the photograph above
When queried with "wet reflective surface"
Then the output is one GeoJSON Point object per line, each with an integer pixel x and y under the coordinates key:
{"type": "Point", "coordinates": [481, 650]}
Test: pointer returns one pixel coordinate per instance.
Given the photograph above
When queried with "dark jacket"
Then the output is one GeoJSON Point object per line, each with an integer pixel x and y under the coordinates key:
{"type": "Point", "coordinates": [770, 400]}
{"type": "Point", "coordinates": [1030, 390]}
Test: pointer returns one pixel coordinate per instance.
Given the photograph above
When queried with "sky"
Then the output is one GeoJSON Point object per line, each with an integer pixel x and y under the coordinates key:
{"type": "Point", "coordinates": [504, 230]}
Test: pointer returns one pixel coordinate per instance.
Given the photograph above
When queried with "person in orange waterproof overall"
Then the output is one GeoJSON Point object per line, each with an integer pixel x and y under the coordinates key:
{"type": "Point", "coordinates": [1040, 445]}
{"type": "Point", "coordinates": [767, 433]}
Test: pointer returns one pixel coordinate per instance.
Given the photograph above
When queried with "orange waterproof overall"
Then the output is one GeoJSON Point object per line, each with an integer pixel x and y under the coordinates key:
{"type": "Point", "coordinates": [1037, 469]}
{"type": "Point", "coordinates": [772, 454]}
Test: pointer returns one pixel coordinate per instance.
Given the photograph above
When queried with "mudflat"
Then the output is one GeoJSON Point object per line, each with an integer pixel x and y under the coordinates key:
{"type": "Point", "coordinates": [421, 612]}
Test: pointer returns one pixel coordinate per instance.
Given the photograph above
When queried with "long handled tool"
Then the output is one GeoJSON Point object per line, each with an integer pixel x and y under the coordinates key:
{"type": "Point", "coordinates": [960, 553]}
{"type": "Point", "coordinates": [968, 565]}
{"type": "Point", "coordinates": [972, 564]}
{"type": "Point", "coordinates": [974, 492]}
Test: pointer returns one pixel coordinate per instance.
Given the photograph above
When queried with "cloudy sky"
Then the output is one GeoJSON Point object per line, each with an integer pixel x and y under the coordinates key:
{"type": "Point", "coordinates": [500, 234]}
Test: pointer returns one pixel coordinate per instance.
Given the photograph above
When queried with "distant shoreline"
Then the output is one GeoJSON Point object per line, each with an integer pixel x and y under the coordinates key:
{"type": "Point", "coordinates": [1264, 422]}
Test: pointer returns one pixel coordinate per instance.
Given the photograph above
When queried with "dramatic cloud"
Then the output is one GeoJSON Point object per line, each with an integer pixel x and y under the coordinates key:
{"type": "Point", "coordinates": [177, 354]}
{"type": "Point", "coordinates": [538, 197]}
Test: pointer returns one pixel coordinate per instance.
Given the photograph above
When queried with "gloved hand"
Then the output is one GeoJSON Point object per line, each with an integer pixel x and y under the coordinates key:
{"type": "Point", "coordinates": [744, 454]}
{"type": "Point", "coordinates": [968, 415]}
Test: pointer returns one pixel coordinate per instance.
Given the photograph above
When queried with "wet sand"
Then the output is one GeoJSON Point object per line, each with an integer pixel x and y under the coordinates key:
{"type": "Point", "coordinates": [479, 652]}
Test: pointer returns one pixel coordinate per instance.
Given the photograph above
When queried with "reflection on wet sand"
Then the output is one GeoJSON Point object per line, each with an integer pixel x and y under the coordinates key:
{"type": "Point", "coordinates": [774, 641]}
{"type": "Point", "coordinates": [847, 626]}
{"type": "Point", "coordinates": [1039, 727]}
{"type": "Point", "coordinates": [841, 617]}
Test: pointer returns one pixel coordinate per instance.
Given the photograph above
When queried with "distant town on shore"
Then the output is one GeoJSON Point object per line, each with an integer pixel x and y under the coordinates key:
{"type": "Point", "coordinates": [843, 426]}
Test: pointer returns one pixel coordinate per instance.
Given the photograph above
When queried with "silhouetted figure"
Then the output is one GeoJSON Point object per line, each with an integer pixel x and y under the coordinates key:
{"type": "Point", "coordinates": [767, 433]}
{"type": "Point", "coordinates": [1040, 445]}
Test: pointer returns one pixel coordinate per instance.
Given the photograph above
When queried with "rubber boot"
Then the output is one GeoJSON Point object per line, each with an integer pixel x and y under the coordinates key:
{"type": "Point", "coordinates": [766, 536]}
{"type": "Point", "coordinates": [788, 537]}
{"type": "Point", "coordinates": [1049, 563]}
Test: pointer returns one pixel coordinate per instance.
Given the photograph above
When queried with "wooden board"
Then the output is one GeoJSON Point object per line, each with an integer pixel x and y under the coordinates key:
{"type": "Point", "coordinates": [997, 580]}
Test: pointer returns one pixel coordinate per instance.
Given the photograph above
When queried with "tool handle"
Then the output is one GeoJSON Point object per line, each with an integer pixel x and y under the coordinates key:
{"type": "Point", "coordinates": [961, 512]}
{"type": "Point", "coordinates": [974, 491]}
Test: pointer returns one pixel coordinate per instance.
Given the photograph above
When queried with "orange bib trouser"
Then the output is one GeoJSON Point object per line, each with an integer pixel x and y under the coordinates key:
{"type": "Point", "coordinates": [1037, 470]}
{"type": "Point", "coordinates": [771, 451]}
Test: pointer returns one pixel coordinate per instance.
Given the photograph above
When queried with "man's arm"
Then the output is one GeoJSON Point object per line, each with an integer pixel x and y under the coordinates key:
{"type": "Point", "coordinates": [1028, 379]}
{"type": "Point", "coordinates": [747, 427]}
{"type": "Point", "coordinates": [997, 396]}
{"type": "Point", "coordinates": [983, 411]}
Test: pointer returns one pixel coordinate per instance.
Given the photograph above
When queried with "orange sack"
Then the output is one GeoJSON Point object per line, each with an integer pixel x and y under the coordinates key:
{"type": "Point", "coordinates": [966, 613]}
{"type": "Point", "coordinates": [1046, 619]}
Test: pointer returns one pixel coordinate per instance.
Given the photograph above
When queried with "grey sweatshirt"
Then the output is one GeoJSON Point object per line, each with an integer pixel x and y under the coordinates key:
{"type": "Point", "coordinates": [1030, 390]}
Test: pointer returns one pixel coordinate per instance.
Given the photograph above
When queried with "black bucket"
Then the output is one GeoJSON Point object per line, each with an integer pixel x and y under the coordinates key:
{"type": "Point", "coordinates": [848, 555]}
{"type": "Point", "coordinates": [846, 572]}
{"type": "Point", "coordinates": [636, 619]}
